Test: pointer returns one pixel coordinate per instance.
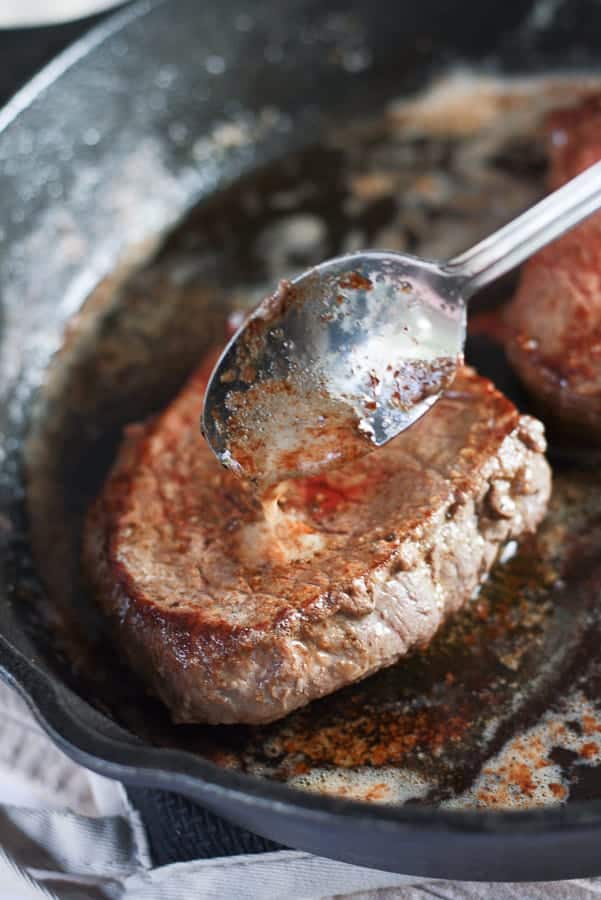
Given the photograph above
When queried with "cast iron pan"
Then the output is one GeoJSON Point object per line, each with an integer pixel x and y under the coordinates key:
{"type": "Point", "coordinates": [129, 176]}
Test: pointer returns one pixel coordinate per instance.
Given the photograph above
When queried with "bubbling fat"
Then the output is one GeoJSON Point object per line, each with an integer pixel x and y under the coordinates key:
{"type": "Point", "coordinates": [386, 785]}
{"type": "Point", "coordinates": [526, 773]}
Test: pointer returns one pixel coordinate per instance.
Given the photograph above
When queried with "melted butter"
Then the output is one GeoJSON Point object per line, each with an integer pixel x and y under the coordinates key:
{"type": "Point", "coordinates": [277, 431]}
{"type": "Point", "coordinates": [282, 535]}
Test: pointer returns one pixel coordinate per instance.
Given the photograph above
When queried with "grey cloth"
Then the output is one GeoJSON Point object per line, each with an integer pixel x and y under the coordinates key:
{"type": "Point", "coordinates": [69, 834]}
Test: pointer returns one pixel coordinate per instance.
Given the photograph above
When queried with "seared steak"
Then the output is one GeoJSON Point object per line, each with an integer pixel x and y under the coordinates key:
{"type": "Point", "coordinates": [555, 316]}
{"type": "Point", "coordinates": [235, 611]}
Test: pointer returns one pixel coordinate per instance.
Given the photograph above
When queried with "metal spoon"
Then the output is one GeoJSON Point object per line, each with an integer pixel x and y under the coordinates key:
{"type": "Point", "coordinates": [355, 350]}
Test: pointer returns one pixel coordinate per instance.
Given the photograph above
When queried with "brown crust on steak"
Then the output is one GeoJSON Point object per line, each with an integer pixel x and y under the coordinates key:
{"type": "Point", "coordinates": [233, 614]}
{"type": "Point", "coordinates": [555, 317]}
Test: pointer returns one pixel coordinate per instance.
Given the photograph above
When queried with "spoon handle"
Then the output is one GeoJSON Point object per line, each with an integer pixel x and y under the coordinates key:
{"type": "Point", "coordinates": [520, 238]}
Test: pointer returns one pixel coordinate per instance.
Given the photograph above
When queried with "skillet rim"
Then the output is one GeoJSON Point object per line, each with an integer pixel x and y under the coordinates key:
{"type": "Point", "coordinates": [116, 754]}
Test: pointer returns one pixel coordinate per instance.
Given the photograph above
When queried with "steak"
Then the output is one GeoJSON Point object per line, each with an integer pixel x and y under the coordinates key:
{"type": "Point", "coordinates": [240, 610]}
{"type": "Point", "coordinates": [554, 320]}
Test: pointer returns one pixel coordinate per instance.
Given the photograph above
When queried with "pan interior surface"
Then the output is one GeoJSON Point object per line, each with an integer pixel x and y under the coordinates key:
{"type": "Point", "coordinates": [503, 710]}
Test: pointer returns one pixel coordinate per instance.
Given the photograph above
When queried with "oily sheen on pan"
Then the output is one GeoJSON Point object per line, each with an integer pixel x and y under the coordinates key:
{"type": "Point", "coordinates": [237, 610]}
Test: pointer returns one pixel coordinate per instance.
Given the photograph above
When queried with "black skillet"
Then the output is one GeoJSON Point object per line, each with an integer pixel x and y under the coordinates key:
{"type": "Point", "coordinates": [102, 152]}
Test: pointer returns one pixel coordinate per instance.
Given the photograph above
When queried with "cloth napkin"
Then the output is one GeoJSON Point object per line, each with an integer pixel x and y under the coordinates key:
{"type": "Point", "coordinates": [70, 834]}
